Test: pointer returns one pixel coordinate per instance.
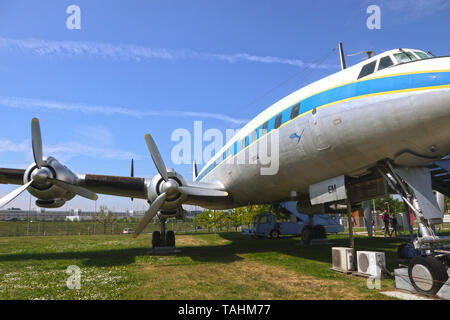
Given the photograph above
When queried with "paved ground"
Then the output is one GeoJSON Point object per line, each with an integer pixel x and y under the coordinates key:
{"type": "Point", "coordinates": [404, 295]}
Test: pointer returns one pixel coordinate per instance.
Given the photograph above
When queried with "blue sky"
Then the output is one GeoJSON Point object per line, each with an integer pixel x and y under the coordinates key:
{"type": "Point", "coordinates": [138, 67]}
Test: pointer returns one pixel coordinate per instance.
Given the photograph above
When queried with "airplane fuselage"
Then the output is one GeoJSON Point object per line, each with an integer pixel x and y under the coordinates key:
{"type": "Point", "coordinates": [344, 127]}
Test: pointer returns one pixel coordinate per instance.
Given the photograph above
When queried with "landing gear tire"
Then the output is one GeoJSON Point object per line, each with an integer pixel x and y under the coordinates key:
{"type": "Point", "coordinates": [319, 232]}
{"type": "Point", "coordinates": [170, 238]}
{"type": "Point", "coordinates": [307, 235]}
{"type": "Point", "coordinates": [274, 234]}
{"type": "Point", "coordinates": [156, 239]}
{"type": "Point", "coordinates": [427, 275]}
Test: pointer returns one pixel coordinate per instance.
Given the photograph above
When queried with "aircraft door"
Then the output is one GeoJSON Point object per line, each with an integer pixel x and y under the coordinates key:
{"type": "Point", "coordinates": [315, 124]}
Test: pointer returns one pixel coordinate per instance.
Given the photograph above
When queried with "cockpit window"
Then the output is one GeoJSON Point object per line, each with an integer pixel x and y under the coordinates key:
{"type": "Point", "coordinates": [367, 69]}
{"type": "Point", "coordinates": [422, 55]}
{"type": "Point", "coordinates": [404, 57]}
{"type": "Point", "coordinates": [385, 62]}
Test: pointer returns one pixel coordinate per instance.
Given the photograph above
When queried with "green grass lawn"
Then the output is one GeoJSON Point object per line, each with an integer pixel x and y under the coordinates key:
{"type": "Point", "coordinates": [222, 266]}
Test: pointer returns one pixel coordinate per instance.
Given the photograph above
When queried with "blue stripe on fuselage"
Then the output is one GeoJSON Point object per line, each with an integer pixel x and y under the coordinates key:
{"type": "Point", "coordinates": [359, 88]}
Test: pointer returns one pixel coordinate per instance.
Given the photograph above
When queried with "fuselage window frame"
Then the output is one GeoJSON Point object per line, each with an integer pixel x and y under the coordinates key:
{"type": "Point", "coordinates": [367, 69]}
{"type": "Point", "coordinates": [278, 121]}
{"type": "Point", "coordinates": [386, 58]}
{"type": "Point", "coordinates": [295, 111]}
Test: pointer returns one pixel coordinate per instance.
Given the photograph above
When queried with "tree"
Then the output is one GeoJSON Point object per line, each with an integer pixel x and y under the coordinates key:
{"type": "Point", "coordinates": [395, 205]}
{"type": "Point", "coordinates": [234, 218]}
{"type": "Point", "coordinates": [105, 217]}
{"type": "Point", "coordinates": [204, 219]}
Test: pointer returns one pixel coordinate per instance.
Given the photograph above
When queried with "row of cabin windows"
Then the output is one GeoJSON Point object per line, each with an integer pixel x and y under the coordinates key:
{"type": "Point", "coordinates": [254, 136]}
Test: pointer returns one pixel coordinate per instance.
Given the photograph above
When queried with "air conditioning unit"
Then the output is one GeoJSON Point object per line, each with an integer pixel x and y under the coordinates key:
{"type": "Point", "coordinates": [371, 263]}
{"type": "Point", "coordinates": [342, 259]}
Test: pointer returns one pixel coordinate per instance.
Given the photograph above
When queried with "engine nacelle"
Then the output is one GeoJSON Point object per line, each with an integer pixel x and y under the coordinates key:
{"type": "Point", "coordinates": [174, 201]}
{"type": "Point", "coordinates": [48, 194]}
{"type": "Point", "coordinates": [55, 203]}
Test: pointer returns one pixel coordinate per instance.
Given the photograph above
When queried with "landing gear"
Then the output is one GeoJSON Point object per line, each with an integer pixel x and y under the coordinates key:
{"type": "Point", "coordinates": [162, 240]}
{"type": "Point", "coordinates": [156, 239]}
{"type": "Point", "coordinates": [319, 232]}
{"type": "Point", "coordinates": [307, 235]}
{"type": "Point", "coordinates": [310, 233]}
{"type": "Point", "coordinates": [428, 252]}
{"type": "Point", "coordinates": [427, 274]}
{"type": "Point", "coordinates": [170, 238]}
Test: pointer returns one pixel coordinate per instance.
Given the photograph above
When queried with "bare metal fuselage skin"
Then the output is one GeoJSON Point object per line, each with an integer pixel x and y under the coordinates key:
{"type": "Point", "coordinates": [401, 113]}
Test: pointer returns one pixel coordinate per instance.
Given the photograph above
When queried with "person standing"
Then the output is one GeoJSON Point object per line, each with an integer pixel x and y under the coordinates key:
{"type": "Point", "coordinates": [394, 223]}
{"type": "Point", "coordinates": [385, 218]}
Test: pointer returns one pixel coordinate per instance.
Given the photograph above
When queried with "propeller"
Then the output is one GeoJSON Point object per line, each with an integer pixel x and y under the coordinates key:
{"type": "Point", "coordinates": [151, 212]}
{"type": "Point", "coordinates": [169, 187]}
{"type": "Point", "coordinates": [43, 175]}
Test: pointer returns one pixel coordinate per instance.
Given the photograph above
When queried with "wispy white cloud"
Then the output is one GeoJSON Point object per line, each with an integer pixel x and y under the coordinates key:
{"type": "Point", "coordinates": [10, 146]}
{"type": "Point", "coordinates": [138, 53]}
{"type": "Point", "coordinates": [67, 150]}
{"type": "Point", "coordinates": [27, 103]}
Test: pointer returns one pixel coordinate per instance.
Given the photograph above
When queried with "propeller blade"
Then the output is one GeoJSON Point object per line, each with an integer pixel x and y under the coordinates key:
{"type": "Point", "coordinates": [75, 189]}
{"type": "Point", "coordinates": [154, 207]}
{"type": "Point", "coordinates": [132, 168]}
{"type": "Point", "coordinates": [36, 142]}
{"type": "Point", "coordinates": [156, 156]}
{"type": "Point", "coordinates": [193, 191]}
{"type": "Point", "coordinates": [10, 196]}
{"type": "Point", "coordinates": [132, 173]}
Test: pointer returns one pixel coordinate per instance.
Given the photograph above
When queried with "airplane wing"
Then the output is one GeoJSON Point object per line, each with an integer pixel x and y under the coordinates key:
{"type": "Point", "coordinates": [11, 176]}
{"type": "Point", "coordinates": [53, 183]}
{"type": "Point", "coordinates": [130, 187]}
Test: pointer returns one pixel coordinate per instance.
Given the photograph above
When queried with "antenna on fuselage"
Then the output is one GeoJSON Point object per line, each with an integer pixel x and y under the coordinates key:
{"type": "Point", "coordinates": [341, 53]}
{"type": "Point", "coordinates": [370, 54]}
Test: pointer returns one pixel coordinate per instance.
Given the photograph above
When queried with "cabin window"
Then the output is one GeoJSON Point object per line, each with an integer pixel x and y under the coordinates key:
{"type": "Point", "coordinates": [295, 110]}
{"type": "Point", "coordinates": [385, 62]}
{"type": "Point", "coordinates": [404, 57]}
{"type": "Point", "coordinates": [422, 55]}
{"type": "Point", "coordinates": [278, 121]}
{"type": "Point", "coordinates": [254, 136]}
{"type": "Point", "coordinates": [367, 69]}
{"type": "Point", "coordinates": [244, 142]}
{"type": "Point", "coordinates": [265, 127]}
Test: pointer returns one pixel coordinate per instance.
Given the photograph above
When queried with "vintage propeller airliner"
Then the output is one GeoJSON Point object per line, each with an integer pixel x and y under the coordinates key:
{"type": "Point", "coordinates": [368, 130]}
